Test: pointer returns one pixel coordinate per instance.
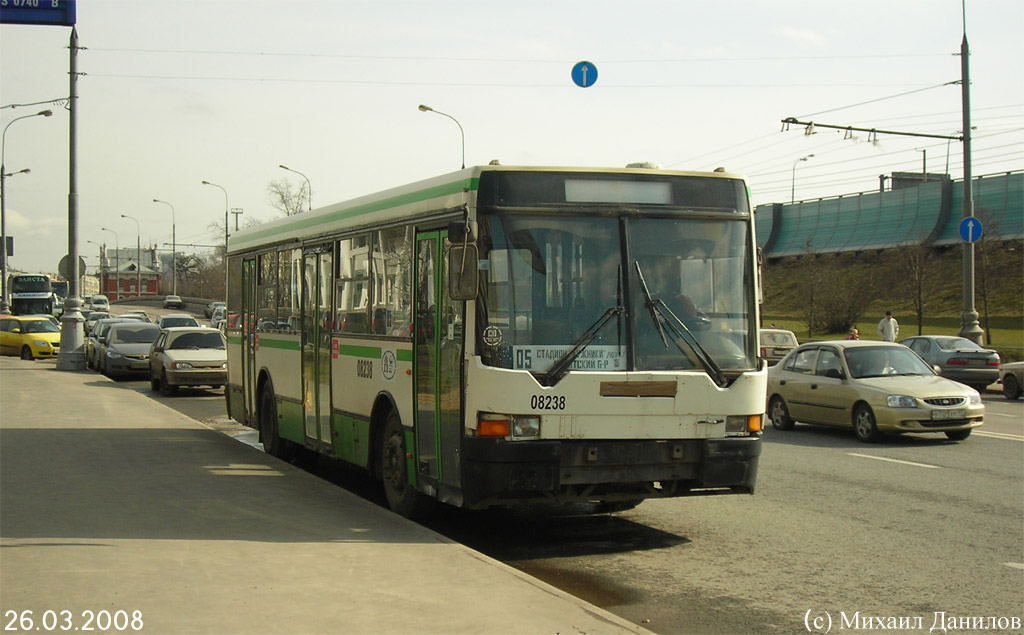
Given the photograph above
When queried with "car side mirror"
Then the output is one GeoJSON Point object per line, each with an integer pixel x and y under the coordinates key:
{"type": "Point", "coordinates": [937, 369]}
{"type": "Point", "coordinates": [835, 373]}
{"type": "Point", "coordinates": [15, 330]}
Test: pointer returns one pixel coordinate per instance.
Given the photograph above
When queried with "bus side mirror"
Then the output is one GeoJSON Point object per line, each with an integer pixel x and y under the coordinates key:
{"type": "Point", "coordinates": [462, 271]}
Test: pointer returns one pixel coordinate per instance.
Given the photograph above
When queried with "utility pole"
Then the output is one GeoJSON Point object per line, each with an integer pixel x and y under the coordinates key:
{"type": "Point", "coordinates": [969, 326]}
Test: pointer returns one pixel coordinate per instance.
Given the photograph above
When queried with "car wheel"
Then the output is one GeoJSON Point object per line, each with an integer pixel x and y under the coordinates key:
{"type": "Point", "coordinates": [864, 425]}
{"type": "Point", "coordinates": [403, 499]}
{"type": "Point", "coordinates": [959, 435]}
{"type": "Point", "coordinates": [779, 414]}
{"type": "Point", "coordinates": [1011, 389]}
{"type": "Point", "coordinates": [26, 354]}
{"type": "Point", "coordinates": [166, 387]}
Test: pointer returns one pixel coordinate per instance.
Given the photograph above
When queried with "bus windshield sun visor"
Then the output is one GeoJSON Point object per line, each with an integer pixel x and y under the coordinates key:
{"type": "Point", "coordinates": [679, 331]}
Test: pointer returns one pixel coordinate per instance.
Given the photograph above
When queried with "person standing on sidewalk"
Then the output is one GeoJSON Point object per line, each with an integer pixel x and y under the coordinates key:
{"type": "Point", "coordinates": [888, 328]}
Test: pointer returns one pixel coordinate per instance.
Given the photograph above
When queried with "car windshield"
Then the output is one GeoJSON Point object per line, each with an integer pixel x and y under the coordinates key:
{"type": "Point", "coordinates": [882, 361]}
{"type": "Point", "coordinates": [957, 344]}
{"type": "Point", "coordinates": [134, 335]}
{"type": "Point", "coordinates": [213, 339]}
{"type": "Point", "coordinates": [778, 338]}
{"type": "Point", "coordinates": [547, 279]}
{"type": "Point", "coordinates": [40, 326]}
{"type": "Point", "coordinates": [178, 321]}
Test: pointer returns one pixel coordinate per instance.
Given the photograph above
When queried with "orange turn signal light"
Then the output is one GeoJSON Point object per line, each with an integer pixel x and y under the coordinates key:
{"type": "Point", "coordinates": [754, 423]}
{"type": "Point", "coordinates": [493, 428]}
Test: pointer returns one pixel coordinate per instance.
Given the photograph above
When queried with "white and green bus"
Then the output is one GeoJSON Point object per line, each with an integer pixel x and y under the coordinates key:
{"type": "Point", "coordinates": [507, 335]}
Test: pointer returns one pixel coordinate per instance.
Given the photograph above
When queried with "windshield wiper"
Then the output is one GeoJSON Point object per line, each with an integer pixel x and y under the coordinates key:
{"type": "Point", "coordinates": [558, 370]}
{"type": "Point", "coordinates": [678, 330]}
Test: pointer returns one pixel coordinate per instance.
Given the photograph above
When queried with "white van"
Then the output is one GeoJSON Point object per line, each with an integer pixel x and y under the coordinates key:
{"type": "Point", "coordinates": [99, 303]}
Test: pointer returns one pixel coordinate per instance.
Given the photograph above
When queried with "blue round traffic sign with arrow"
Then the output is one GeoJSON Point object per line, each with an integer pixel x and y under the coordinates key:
{"type": "Point", "coordinates": [970, 229]}
{"type": "Point", "coordinates": [584, 74]}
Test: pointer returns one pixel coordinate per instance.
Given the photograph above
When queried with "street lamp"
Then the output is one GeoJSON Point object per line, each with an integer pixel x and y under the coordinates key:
{"type": "Point", "coordinates": [3, 205]}
{"type": "Point", "coordinates": [117, 262]}
{"type": "Point", "coordinates": [309, 186]}
{"type": "Point", "coordinates": [424, 108]}
{"type": "Point", "coordinates": [138, 248]}
{"type": "Point", "coordinates": [174, 249]}
{"type": "Point", "coordinates": [792, 192]}
{"type": "Point", "coordinates": [225, 235]}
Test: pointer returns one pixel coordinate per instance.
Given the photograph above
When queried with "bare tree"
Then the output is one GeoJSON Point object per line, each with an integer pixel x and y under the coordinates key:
{"type": "Point", "coordinates": [283, 196]}
{"type": "Point", "coordinates": [919, 279]}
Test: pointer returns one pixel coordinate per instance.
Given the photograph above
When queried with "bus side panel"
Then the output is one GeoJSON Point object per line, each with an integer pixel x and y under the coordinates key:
{"type": "Point", "coordinates": [361, 370]}
{"type": "Point", "coordinates": [233, 389]}
{"type": "Point", "coordinates": [280, 355]}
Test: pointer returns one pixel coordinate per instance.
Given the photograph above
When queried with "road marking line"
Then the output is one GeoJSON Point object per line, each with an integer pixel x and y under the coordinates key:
{"type": "Point", "coordinates": [882, 458]}
{"type": "Point", "coordinates": [1000, 435]}
{"type": "Point", "coordinates": [1015, 565]}
{"type": "Point", "coordinates": [1000, 414]}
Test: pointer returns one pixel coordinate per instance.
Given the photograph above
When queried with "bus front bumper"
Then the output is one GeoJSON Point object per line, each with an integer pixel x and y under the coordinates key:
{"type": "Point", "coordinates": [496, 471]}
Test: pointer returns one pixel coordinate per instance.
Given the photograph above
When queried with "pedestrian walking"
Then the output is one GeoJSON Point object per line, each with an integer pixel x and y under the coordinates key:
{"type": "Point", "coordinates": [888, 328]}
{"type": "Point", "coordinates": [853, 335]}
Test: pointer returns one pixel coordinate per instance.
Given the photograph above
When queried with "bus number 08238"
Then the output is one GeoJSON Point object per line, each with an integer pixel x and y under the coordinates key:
{"type": "Point", "coordinates": [547, 402]}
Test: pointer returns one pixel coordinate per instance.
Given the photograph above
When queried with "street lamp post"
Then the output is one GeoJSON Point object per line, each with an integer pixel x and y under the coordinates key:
{"type": "Point", "coordinates": [117, 262]}
{"type": "Point", "coordinates": [309, 186]}
{"type": "Point", "coordinates": [138, 248]}
{"type": "Point", "coordinates": [3, 205]}
{"type": "Point", "coordinates": [174, 249]}
{"type": "Point", "coordinates": [225, 235]}
{"type": "Point", "coordinates": [425, 108]}
{"type": "Point", "coordinates": [792, 191]}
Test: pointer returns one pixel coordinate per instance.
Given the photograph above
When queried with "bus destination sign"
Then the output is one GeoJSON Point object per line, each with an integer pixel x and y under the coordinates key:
{"type": "Point", "coordinates": [44, 12]}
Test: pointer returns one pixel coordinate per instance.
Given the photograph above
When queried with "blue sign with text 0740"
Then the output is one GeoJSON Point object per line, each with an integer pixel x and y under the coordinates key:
{"type": "Point", "coordinates": [45, 12]}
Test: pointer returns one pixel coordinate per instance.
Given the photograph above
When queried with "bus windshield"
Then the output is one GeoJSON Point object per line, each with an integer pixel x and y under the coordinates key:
{"type": "Point", "coordinates": [30, 284]}
{"type": "Point", "coordinates": [547, 280]}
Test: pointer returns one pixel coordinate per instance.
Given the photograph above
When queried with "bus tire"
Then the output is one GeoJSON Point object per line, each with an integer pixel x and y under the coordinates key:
{"type": "Point", "coordinates": [272, 442]}
{"type": "Point", "coordinates": [26, 354]}
{"type": "Point", "coordinates": [403, 499]}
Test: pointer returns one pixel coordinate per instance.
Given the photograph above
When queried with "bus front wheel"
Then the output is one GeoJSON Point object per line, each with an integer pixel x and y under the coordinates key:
{"type": "Point", "coordinates": [403, 499]}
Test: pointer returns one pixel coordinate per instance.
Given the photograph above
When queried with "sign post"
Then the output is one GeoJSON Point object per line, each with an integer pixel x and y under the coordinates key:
{"type": "Point", "coordinates": [62, 13]}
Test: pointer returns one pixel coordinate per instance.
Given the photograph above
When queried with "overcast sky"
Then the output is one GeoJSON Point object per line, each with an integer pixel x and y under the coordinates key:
{"type": "Point", "coordinates": [177, 92]}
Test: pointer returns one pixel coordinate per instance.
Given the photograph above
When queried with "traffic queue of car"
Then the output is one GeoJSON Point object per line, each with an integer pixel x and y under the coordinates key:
{"type": "Point", "coordinates": [174, 351]}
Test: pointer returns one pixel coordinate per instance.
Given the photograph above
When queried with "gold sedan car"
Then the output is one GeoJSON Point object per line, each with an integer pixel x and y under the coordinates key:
{"type": "Point", "coordinates": [877, 388]}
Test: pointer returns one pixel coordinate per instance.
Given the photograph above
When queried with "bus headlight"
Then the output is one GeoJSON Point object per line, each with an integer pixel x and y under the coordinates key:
{"type": "Point", "coordinates": [740, 425]}
{"type": "Point", "coordinates": [525, 426]}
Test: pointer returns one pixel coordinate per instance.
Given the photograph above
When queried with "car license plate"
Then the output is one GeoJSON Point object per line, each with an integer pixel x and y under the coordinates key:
{"type": "Point", "coordinates": [139, 365]}
{"type": "Point", "coordinates": [956, 413]}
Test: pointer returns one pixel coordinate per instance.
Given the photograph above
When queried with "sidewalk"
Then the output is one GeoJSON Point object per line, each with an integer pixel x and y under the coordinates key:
{"type": "Point", "coordinates": [112, 502]}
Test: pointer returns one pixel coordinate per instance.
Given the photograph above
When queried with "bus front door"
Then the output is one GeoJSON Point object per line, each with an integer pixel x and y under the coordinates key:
{"type": "Point", "coordinates": [317, 322]}
{"type": "Point", "coordinates": [247, 321]}
{"type": "Point", "coordinates": [438, 367]}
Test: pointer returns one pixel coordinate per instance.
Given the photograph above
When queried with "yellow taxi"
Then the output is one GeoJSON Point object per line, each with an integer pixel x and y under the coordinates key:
{"type": "Point", "coordinates": [31, 337]}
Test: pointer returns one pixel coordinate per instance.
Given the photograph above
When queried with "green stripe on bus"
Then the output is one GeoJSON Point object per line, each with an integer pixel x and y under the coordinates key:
{"type": "Point", "coordinates": [286, 345]}
{"type": "Point", "coordinates": [396, 201]}
{"type": "Point", "coordinates": [404, 355]}
{"type": "Point", "coordinates": [348, 350]}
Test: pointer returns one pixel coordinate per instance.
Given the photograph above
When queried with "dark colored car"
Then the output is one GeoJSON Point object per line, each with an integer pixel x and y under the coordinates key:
{"type": "Point", "coordinates": [92, 340]}
{"type": "Point", "coordinates": [126, 348]}
{"type": "Point", "coordinates": [958, 358]}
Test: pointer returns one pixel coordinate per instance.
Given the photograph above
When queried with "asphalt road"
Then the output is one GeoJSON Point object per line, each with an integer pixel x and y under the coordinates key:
{"type": "Point", "coordinates": [837, 528]}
